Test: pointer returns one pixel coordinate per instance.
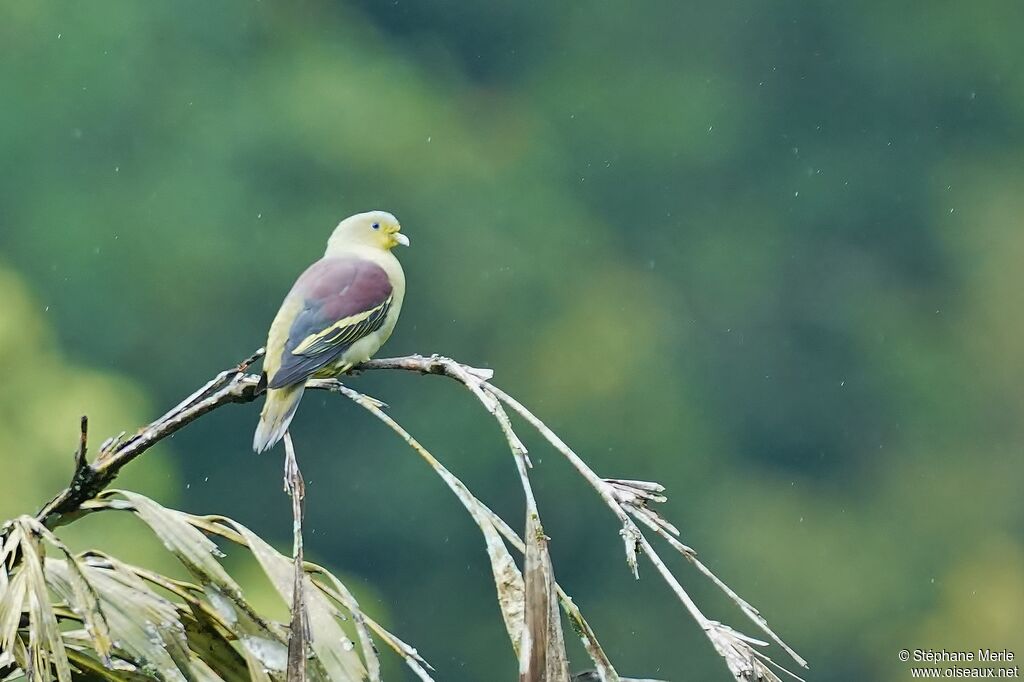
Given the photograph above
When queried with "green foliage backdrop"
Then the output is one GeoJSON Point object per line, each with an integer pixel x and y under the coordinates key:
{"type": "Point", "coordinates": [765, 253]}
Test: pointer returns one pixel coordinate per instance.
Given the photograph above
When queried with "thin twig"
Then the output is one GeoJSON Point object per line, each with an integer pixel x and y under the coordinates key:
{"type": "Point", "coordinates": [299, 634]}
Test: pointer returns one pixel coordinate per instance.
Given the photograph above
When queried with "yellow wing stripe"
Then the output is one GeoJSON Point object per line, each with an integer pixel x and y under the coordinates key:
{"type": "Point", "coordinates": [346, 330]}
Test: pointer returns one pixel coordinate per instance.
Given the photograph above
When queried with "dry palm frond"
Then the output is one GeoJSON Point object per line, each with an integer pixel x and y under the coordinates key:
{"type": "Point", "coordinates": [133, 624]}
{"type": "Point", "coordinates": [202, 630]}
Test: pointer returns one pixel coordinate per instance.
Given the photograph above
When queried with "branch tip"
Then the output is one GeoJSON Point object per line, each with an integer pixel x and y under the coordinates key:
{"type": "Point", "coordinates": [83, 439]}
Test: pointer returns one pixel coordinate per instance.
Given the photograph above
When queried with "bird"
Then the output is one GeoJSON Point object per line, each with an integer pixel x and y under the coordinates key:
{"type": "Point", "coordinates": [339, 312]}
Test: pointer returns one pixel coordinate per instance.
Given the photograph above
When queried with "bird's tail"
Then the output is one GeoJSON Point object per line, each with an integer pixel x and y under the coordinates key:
{"type": "Point", "coordinates": [277, 414]}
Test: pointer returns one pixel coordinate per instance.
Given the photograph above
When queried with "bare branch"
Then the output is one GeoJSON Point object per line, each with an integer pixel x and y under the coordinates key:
{"type": "Point", "coordinates": [230, 386]}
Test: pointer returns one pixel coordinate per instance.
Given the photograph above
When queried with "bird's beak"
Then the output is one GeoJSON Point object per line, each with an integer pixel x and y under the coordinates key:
{"type": "Point", "coordinates": [400, 239]}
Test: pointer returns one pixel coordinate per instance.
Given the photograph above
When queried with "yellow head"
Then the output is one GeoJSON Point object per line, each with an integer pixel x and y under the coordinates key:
{"type": "Point", "coordinates": [375, 229]}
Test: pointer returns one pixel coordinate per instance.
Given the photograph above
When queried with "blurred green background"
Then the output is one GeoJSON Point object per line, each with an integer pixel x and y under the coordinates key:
{"type": "Point", "coordinates": [769, 254]}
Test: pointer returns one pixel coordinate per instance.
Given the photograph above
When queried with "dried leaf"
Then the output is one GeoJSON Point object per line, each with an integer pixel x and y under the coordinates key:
{"type": "Point", "coordinates": [143, 625]}
{"type": "Point", "coordinates": [507, 580]}
{"type": "Point", "coordinates": [196, 551]}
{"type": "Point", "coordinates": [83, 598]}
{"type": "Point", "coordinates": [84, 661]}
{"type": "Point", "coordinates": [340, 594]}
{"type": "Point", "coordinates": [213, 648]}
{"type": "Point", "coordinates": [258, 673]}
{"type": "Point", "coordinates": [262, 639]}
{"type": "Point", "coordinates": [343, 596]}
{"type": "Point", "coordinates": [207, 635]}
{"type": "Point", "coordinates": [201, 672]}
{"type": "Point", "coordinates": [46, 654]}
{"type": "Point", "coordinates": [333, 648]}
{"type": "Point", "coordinates": [12, 605]}
{"type": "Point", "coordinates": [542, 655]}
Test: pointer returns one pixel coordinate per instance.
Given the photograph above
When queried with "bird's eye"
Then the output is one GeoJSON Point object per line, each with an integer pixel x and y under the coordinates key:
{"type": "Point", "coordinates": [375, 226]}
